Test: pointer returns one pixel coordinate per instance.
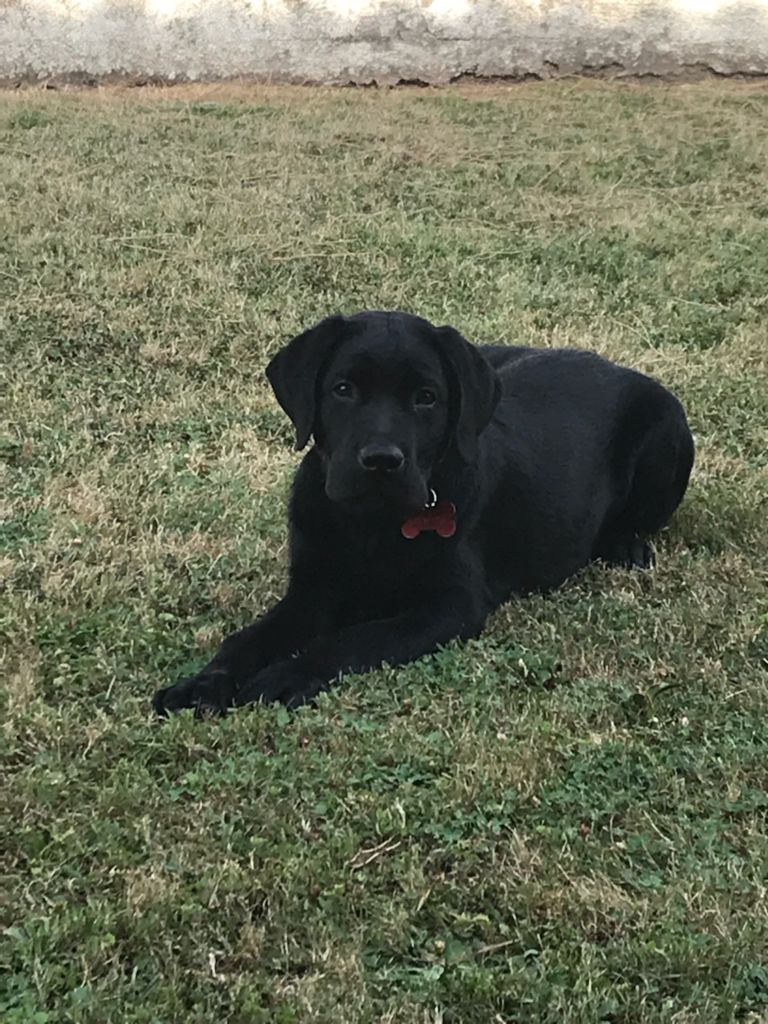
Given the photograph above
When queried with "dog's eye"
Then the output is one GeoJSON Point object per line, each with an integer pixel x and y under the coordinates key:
{"type": "Point", "coordinates": [344, 389]}
{"type": "Point", "coordinates": [424, 396]}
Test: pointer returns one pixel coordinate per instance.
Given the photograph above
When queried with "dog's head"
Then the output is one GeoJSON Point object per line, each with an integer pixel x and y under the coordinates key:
{"type": "Point", "coordinates": [386, 396]}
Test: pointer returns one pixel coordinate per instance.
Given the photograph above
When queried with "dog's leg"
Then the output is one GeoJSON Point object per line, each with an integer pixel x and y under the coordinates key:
{"type": "Point", "coordinates": [284, 629]}
{"type": "Point", "coordinates": [396, 641]}
{"type": "Point", "coordinates": [658, 469]}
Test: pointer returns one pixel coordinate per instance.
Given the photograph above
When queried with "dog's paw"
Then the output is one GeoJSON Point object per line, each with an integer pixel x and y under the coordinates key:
{"type": "Point", "coordinates": [641, 554]}
{"type": "Point", "coordinates": [632, 553]}
{"type": "Point", "coordinates": [209, 695]}
{"type": "Point", "coordinates": [285, 682]}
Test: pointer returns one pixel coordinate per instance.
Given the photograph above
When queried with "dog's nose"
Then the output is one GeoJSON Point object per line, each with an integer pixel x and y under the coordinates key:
{"type": "Point", "coordinates": [387, 458]}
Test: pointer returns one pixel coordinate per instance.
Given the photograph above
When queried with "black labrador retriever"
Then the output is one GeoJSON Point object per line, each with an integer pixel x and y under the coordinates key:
{"type": "Point", "coordinates": [443, 479]}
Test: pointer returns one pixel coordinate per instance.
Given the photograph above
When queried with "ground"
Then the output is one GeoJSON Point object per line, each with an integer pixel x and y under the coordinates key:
{"type": "Point", "coordinates": [564, 821]}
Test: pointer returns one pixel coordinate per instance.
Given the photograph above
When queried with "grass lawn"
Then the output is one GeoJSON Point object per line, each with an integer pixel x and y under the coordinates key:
{"type": "Point", "coordinates": [564, 821]}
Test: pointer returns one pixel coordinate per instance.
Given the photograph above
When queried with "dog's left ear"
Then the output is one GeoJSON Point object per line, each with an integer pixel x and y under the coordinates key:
{"type": "Point", "coordinates": [294, 371]}
{"type": "Point", "coordinates": [476, 389]}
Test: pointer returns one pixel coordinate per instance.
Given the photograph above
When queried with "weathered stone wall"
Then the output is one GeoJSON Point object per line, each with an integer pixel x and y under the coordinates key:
{"type": "Point", "coordinates": [381, 41]}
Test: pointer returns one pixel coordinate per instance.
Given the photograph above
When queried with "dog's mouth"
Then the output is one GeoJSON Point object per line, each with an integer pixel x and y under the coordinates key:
{"type": "Point", "coordinates": [382, 498]}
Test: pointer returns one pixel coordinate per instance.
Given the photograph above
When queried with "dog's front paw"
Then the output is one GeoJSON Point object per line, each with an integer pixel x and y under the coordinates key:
{"type": "Point", "coordinates": [285, 682]}
{"type": "Point", "coordinates": [208, 694]}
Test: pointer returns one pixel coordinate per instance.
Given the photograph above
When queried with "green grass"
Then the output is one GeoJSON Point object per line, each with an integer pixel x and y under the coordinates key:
{"type": "Point", "coordinates": [564, 821]}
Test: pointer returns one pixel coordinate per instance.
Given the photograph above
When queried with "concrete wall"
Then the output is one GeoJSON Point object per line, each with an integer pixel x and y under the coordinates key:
{"type": "Point", "coordinates": [381, 41]}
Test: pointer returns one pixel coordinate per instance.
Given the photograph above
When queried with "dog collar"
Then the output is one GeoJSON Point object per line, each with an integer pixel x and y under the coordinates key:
{"type": "Point", "coordinates": [439, 516]}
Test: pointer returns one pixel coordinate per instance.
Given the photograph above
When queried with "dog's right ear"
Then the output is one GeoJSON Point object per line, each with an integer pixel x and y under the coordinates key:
{"type": "Point", "coordinates": [294, 371]}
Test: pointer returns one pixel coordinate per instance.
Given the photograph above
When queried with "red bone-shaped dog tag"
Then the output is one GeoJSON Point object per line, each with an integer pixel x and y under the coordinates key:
{"type": "Point", "coordinates": [440, 517]}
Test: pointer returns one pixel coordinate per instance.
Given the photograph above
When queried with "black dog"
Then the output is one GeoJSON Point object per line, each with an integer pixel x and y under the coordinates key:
{"type": "Point", "coordinates": [443, 479]}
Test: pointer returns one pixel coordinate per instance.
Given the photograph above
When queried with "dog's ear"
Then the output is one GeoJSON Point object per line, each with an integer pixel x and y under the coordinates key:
{"type": "Point", "coordinates": [294, 372]}
{"type": "Point", "coordinates": [476, 389]}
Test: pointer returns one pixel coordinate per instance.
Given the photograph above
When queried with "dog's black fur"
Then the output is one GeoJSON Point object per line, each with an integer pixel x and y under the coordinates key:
{"type": "Point", "coordinates": [552, 458]}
